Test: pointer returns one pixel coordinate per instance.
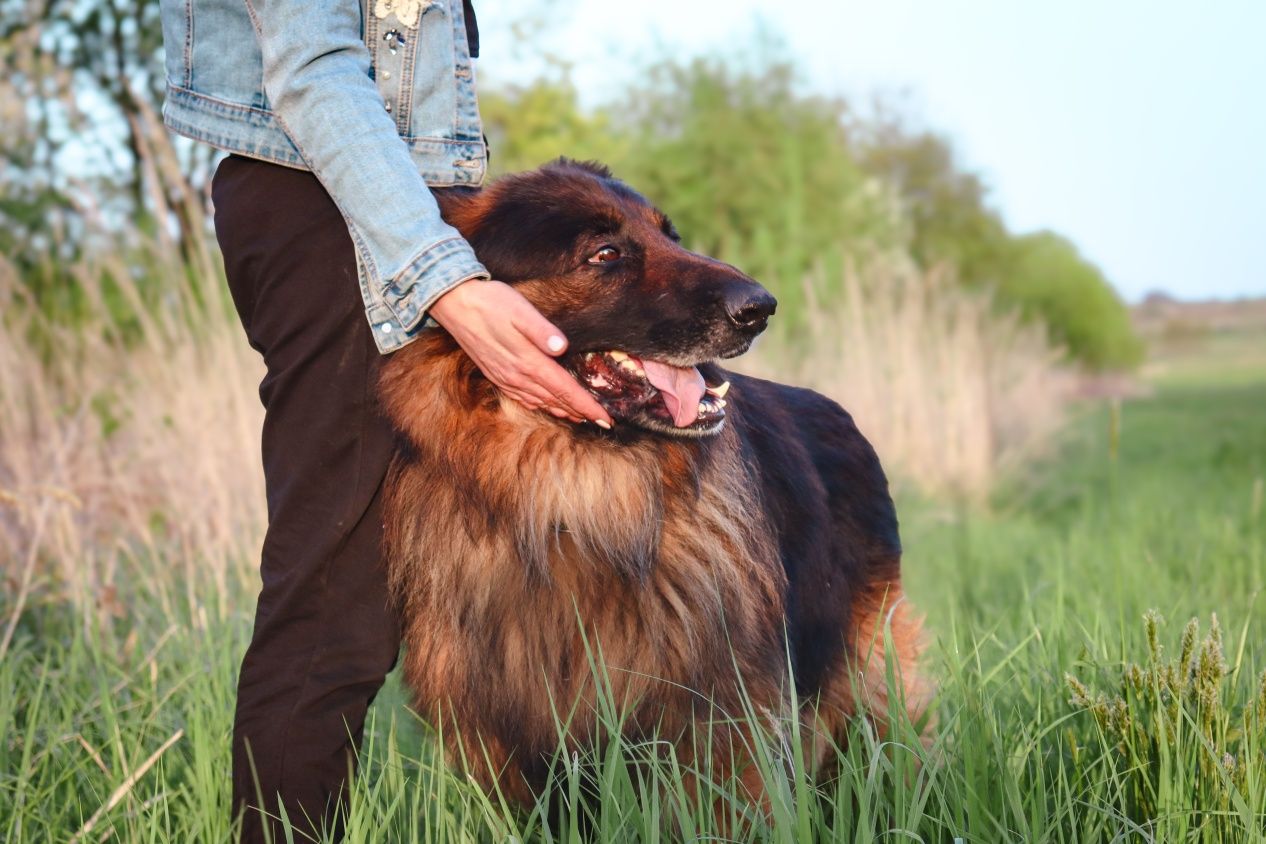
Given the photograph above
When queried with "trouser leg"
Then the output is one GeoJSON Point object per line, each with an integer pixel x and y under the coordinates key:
{"type": "Point", "coordinates": [325, 633]}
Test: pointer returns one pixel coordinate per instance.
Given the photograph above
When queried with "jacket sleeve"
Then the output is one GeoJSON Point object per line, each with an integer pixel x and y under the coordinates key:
{"type": "Point", "coordinates": [316, 75]}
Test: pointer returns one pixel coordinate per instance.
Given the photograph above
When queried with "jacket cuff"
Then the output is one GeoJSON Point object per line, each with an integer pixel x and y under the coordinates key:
{"type": "Point", "coordinates": [432, 273]}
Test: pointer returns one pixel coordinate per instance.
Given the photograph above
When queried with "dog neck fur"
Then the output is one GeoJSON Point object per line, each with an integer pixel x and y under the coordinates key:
{"type": "Point", "coordinates": [571, 492]}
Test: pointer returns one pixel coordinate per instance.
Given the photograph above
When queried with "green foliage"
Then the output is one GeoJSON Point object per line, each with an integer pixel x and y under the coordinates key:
{"type": "Point", "coordinates": [944, 204]}
{"type": "Point", "coordinates": [751, 169]}
{"type": "Point", "coordinates": [528, 125]}
{"type": "Point", "coordinates": [82, 150]}
{"type": "Point", "coordinates": [1041, 274]}
{"type": "Point", "coordinates": [1045, 276]}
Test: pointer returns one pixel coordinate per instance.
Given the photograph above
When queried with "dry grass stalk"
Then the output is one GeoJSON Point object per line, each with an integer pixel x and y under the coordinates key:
{"type": "Point", "coordinates": [126, 787]}
{"type": "Point", "coordinates": [145, 450]}
{"type": "Point", "coordinates": [951, 392]}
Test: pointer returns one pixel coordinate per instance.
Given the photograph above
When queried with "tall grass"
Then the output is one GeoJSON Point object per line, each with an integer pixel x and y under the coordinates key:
{"type": "Point", "coordinates": [133, 431]}
{"type": "Point", "coordinates": [132, 512]}
{"type": "Point", "coordinates": [952, 392]}
{"type": "Point", "coordinates": [129, 438]}
{"type": "Point", "coordinates": [120, 449]}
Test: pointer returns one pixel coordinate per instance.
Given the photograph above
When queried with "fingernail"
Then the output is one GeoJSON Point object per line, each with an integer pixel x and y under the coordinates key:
{"type": "Point", "coordinates": [603, 424]}
{"type": "Point", "coordinates": [556, 343]}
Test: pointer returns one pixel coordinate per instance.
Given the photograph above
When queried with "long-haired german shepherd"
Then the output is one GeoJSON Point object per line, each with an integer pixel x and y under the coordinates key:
{"type": "Point", "coordinates": [725, 529]}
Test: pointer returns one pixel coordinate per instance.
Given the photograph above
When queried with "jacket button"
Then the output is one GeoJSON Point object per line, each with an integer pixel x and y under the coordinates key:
{"type": "Point", "coordinates": [386, 74]}
{"type": "Point", "coordinates": [385, 328]}
{"type": "Point", "coordinates": [387, 106]}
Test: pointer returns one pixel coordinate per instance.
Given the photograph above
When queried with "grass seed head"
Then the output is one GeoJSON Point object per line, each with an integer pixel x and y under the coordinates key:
{"type": "Point", "coordinates": [1082, 698]}
{"type": "Point", "coordinates": [1152, 620]}
{"type": "Point", "coordinates": [1259, 705]}
{"type": "Point", "coordinates": [1186, 665]}
{"type": "Point", "coordinates": [1211, 665]}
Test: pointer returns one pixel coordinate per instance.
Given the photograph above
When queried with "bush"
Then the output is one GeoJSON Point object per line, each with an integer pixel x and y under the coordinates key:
{"type": "Point", "coordinates": [1046, 278]}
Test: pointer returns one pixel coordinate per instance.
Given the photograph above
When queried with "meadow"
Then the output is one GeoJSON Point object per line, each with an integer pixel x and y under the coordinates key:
{"type": "Point", "coordinates": [1076, 703]}
{"type": "Point", "coordinates": [1091, 569]}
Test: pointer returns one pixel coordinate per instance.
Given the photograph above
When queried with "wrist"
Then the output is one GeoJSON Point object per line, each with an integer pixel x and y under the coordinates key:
{"type": "Point", "coordinates": [458, 298]}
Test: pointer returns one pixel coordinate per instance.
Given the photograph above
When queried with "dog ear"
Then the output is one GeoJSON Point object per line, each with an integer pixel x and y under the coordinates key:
{"type": "Point", "coordinates": [463, 208]}
{"type": "Point", "coordinates": [596, 168]}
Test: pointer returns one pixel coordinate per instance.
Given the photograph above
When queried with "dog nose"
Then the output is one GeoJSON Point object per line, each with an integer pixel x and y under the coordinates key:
{"type": "Point", "coordinates": [749, 306]}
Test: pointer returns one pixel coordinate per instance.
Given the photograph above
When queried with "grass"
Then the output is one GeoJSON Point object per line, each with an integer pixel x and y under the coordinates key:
{"type": "Point", "coordinates": [129, 508]}
{"type": "Point", "coordinates": [1157, 505]}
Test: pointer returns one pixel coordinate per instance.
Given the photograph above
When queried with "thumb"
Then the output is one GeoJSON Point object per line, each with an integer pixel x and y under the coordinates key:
{"type": "Point", "coordinates": [543, 333]}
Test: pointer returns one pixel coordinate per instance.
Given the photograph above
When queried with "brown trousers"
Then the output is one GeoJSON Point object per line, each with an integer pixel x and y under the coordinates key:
{"type": "Point", "coordinates": [325, 633]}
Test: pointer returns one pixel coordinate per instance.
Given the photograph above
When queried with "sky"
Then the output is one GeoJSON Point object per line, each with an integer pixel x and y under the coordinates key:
{"type": "Point", "coordinates": [1137, 129]}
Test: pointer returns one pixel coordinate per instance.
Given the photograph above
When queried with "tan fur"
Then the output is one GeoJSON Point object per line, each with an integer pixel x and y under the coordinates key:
{"type": "Point", "coordinates": [515, 547]}
{"type": "Point", "coordinates": [885, 627]}
{"type": "Point", "coordinates": [519, 548]}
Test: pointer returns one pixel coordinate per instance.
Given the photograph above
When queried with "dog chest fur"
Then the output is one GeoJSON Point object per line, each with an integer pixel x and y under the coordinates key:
{"type": "Point", "coordinates": [519, 550]}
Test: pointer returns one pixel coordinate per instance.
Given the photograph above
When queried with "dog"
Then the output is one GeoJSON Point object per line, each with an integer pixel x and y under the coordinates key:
{"type": "Point", "coordinates": [725, 529]}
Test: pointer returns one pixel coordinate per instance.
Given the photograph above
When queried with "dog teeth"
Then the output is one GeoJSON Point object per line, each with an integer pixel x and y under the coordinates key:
{"type": "Point", "coordinates": [588, 356]}
{"type": "Point", "coordinates": [711, 404]}
{"type": "Point", "coordinates": [632, 366]}
{"type": "Point", "coordinates": [598, 381]}
{"type": "Point", "coordinates": [720, 390]}
{"type": "Point", "coordinates": [617, 356]}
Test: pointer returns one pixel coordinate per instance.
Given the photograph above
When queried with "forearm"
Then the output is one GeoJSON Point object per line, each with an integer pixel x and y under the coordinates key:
{"type": "Point", "coordinates": [317, 80]}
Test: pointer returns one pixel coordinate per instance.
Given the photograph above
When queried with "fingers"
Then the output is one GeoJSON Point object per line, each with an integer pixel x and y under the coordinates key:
{"type": "Point", "coordinates": [533, 396]}
{"type": "Point", "coordinates": [528, 401]}
{"type": "Point", "coordinates": [536, 328]}
{"type": "Point", "coordinates": [568, 397]}
{"type": "Point", "coordinates": [513, 344]}
{"type": "Point", "coordinates": [553, 388]}
{"type": "Point", "coordinates": [566, 392]}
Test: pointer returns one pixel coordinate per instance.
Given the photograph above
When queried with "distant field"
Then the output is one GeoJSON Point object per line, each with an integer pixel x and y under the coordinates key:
{"type": "Point", "coordinates": [1197, 341]}
{"type": "Point", "coordinates": [1227, 355]}
{"type": "Point", "coordinates": [1156, 505]}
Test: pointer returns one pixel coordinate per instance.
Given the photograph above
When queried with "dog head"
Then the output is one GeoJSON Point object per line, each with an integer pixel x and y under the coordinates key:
{"type": "Point", "coordinates": [642, 314]}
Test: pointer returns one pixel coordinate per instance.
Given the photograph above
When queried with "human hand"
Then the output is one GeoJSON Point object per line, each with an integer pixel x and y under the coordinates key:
{"type": "Point", "coordinates": [512, 345]}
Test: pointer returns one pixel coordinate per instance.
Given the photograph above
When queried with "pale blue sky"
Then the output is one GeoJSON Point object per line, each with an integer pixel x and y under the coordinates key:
{"type": "Point", "coordinates": [1136, 128]}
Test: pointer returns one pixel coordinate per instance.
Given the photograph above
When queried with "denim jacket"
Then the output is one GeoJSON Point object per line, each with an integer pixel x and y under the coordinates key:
{"type": "Point", "coordinates": [375, 97]}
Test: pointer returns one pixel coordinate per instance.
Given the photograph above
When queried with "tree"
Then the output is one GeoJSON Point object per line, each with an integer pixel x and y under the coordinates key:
{"type": "Point", "coordinates": [1040, 274]}
{"type": "Point", "coordinates": [752, 169]}
{"type": "Point", "coordinates": [82, 84]}
{"type": "Point", "coordinates": [944, 203]}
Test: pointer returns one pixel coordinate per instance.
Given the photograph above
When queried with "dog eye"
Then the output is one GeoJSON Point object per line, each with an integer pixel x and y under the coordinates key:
{"type": "Point", "coordinates": [605, 255]}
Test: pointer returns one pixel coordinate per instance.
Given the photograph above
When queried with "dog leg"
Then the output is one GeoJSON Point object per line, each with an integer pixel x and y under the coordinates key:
{"type": "Point", "coordinates": [884, 624]}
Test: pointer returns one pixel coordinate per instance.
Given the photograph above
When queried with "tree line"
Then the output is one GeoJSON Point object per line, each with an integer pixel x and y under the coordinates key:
{"type": "Point", "coordinates": [787, 184]}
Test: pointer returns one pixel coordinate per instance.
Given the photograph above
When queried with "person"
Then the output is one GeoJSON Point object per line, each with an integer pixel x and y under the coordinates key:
{"type": "Point", "coordinates": [339, 120]}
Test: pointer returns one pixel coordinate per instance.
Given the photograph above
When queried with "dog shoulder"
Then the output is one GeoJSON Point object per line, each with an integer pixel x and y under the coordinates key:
{"type": "Point", "coordinates": [782, 421]}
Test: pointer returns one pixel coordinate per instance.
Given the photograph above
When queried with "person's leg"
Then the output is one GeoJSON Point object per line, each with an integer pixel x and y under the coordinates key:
{"type": "Point", "coordinates": [325, 632]}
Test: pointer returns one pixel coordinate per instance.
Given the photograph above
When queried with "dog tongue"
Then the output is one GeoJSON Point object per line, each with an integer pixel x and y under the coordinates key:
{"type": "Point", "coordinates": [682, 388]}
